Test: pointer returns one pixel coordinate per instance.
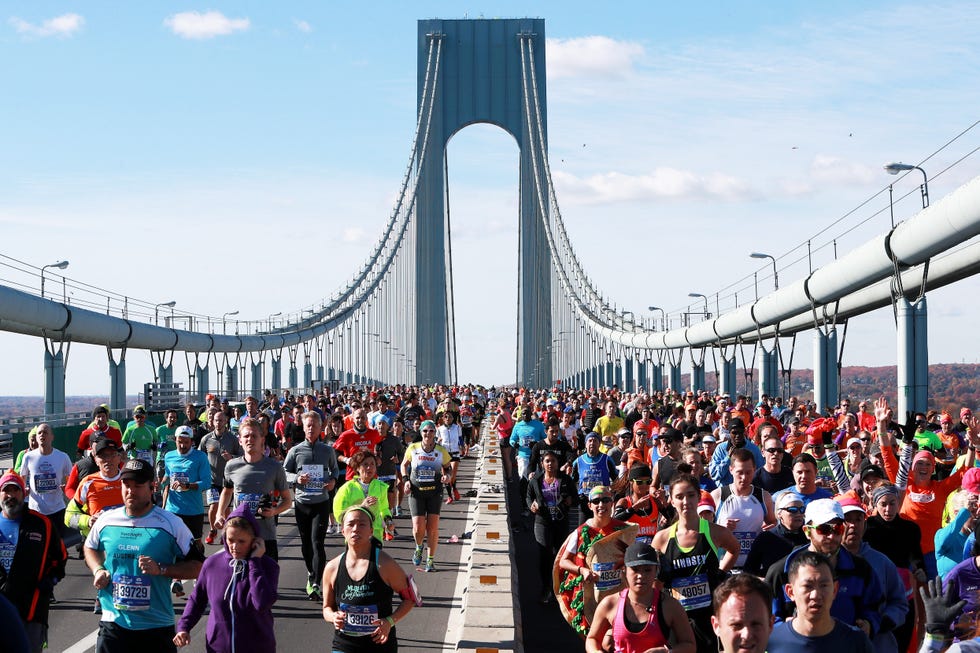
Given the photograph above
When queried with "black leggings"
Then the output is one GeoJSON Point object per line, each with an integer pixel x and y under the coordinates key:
{"type": "Point", "coordinates": [549, 535]}
{"type": "Point", "coordinates": [312, 520]}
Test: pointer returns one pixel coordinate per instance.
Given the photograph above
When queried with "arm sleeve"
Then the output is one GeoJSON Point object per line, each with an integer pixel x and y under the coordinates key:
{"type": "Point", "coordinates": [904, 465]}
{"type": "Point", "coordinates": [890, 463]}
{"type": "Point", "coordinates": [331, 468]}
{"type": "Point", "coordinates": [968, 545]}
{"type": "Point", "coordinates": [718, 464]}
{"type": "Point", "coordinates": [840, 473]}
{"type": "Point", "coordinates": [949, 539]}
{"type": "Point", "coordinates": [197, 601]}
{"type": "Point", "coordinates": [76, 517]}
{"type": "Point", "coordinates": [263, 576]}
{"type": "Point", "coordinates": [289, 464]}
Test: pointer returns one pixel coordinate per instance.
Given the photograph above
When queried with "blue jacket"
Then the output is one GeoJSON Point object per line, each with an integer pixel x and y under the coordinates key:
{"type": "Point", "coordinates": [718, 465]}
{"type": "Point", "coordinates": [895, 608]}
{"type": "Point", "coordinates": [859, 595]}
{"type": "Point", "coordinates": [950, 541]}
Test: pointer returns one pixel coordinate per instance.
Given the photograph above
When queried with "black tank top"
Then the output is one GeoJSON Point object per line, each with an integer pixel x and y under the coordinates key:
{"type": "Point", "coordinates": [691, 575]}
{"type": "Point", "coordinates": [364, 601]}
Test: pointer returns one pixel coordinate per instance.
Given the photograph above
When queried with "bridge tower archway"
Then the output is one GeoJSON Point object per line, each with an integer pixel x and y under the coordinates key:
{"type": "Point", "coordinates": [480, 79]}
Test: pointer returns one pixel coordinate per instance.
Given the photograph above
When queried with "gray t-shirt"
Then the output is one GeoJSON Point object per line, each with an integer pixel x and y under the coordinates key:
{"type": "Point", "coordinates": [319, 462]}
{"type": "Point", "coordinates": [213, 446]}
{"type": "Point", "coordinates": [254, 483]}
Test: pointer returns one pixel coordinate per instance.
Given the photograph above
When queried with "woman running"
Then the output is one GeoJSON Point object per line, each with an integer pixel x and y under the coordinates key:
{"type": "Point", "coordinates": [694, 556]}
{"type": "Point", "coordinates": [358, 587]}
{"type": "Point", "coordinates": [638, 506]}
{"type": "Point", "coordinates": [549, 494]}
{"type": "Point", "coordinates": [366, 489]}
{"type": "Point", "coordinates": [425, 469]}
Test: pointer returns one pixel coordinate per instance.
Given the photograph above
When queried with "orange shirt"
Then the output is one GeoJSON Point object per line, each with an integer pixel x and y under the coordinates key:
{"type": "Point", "coordinates": [96, 493]}
{"type": "Point", "coordinates": [924, 505]}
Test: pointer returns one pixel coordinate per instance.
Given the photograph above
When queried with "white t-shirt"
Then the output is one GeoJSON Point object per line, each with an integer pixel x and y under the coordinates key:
{"type": "Point", "coordinates": [45, 476]}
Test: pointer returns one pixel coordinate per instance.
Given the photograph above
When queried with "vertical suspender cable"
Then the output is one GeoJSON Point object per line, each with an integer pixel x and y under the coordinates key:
{"type": "Point", "coordinates": [451, 322]}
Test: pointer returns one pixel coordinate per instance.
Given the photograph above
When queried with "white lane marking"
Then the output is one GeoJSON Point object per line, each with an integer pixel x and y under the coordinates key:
{"type": "Point", "coordinates": [84, 644]}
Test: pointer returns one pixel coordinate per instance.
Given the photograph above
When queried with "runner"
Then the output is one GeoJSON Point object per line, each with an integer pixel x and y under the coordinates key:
{"type": "Point", "coordinates": [550, 494]}
{"type": "Point", "coordinates": [641, 617]}
{"type": "Point", "coordinates": [133, 551]}
{"type": "Point", "coordinates": [186, 475]}
{"type": "Point", "coordinates": [220, 445]}
{"type": "Point", "coordinates": [311, 468]}
{"type": "Point", "coordinates": [239, 585]}
{"type": "Point", "coordinates": [139, 440]}
{"type": "Point", "coordinates": [252, 479]}
{"type": "Point", "coordinates": [358, 589]}
{"type": "Point", "coordinates": [694, 553]}
{"type": "Point", "coordinates": [450, 436]}
{"type": "Point", "coordinates": [45, 470]}
{"type": "Point", "coordinates": [424, 462]}
{"type": "Point", "coordinates": [638, 505]}
{"type": "Point", "coordinates": [367, 490]}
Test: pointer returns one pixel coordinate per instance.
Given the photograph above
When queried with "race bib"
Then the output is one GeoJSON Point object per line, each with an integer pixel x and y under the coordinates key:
{"type": "Point", "coordinates": [131, 593]}
{"type": "Point", "coordinates": [609, 576]}
{"type": "Point", "coordinates": [644, 539]}
{"type": "Point", "coordinates": [425, 475]}
{"type": "Point", "coordinates": [46, 482]}
{"type": "Point", "coordinates": [315, 481]}
{"type": "Point", "coordinates": [692, 592]}
{"type": "Point", "coordinates": [181, 477]}
{"type": "Point", "coordinates": [7, 550]}
{"type": "Point", "coordinates": [922, 497]}
{"type": "Point", "coordinates": [214, 494]}
{"type": "Point", "coordinates": [556, 512]}
{"type": "Point", "coordinates": [145, 454]}
{"type": "Point", "coordinates": [360, 619]}
{"type": "Point", "coordinates": [745, 540]}
{"type": "Point", "coordinates": [251, 500]}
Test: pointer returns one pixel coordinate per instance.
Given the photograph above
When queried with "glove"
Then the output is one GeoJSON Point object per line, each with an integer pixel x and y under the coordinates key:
{"type": "Point", "coordinates": [828, 439]}
{"type": "Point", "coordinates": [941, 611]}
{"type": "Point", "coordinates": [909, 428]}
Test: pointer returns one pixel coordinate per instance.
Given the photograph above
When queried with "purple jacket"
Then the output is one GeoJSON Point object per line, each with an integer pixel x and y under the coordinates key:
{"type": "Point", "coordinates": [241, 594]}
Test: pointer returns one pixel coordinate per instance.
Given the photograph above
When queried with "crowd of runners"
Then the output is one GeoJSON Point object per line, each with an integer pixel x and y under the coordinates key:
{"type": "Point", "coordinates": [664, 522]}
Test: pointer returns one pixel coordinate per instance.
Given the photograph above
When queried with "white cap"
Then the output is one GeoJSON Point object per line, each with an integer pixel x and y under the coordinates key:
{"type": "Point", "coordinates": [823, 511]}
{"type": "Point", "coordinates": [184, 432]}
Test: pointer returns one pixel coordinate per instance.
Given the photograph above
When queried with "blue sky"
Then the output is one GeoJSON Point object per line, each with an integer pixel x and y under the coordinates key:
{"type": "Point", "coordinates": [244, 156]}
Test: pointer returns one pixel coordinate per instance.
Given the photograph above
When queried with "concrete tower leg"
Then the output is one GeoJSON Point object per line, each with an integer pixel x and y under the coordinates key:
{"type": "Point", "coordinates": [54, 378]}
{"type": "Point", "coordinates": [629, 379]}
{"type": "Point", "coordinates": [231, 380]}
{"type": "Point", "coordinates": [768, 366]}
{"type": "Point", "coordinates": [277, 371]}
{"type": "Point", "coordinates": [656, 377]}
{"type": "Point", "coordinates": [117, 380]}
{"type": "Point", "coordinates": [203, 375]}
{"type": "Point", "coordinates": [642, 382]}
{"type": "Point", "coordinates": [825, 369]}
{"type": "Point", "coordinates": [697, 377]}
{"type": "Point", "coordinates": [675, 377]}
{"type": "Point", "coordinates": [913, 356]}
{"type": "Point", "coordinates": [257, 370]}
{"type": "Point", "coordinates": [728, 376]}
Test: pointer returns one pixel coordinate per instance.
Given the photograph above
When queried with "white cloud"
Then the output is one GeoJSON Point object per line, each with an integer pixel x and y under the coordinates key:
{"type": "Point", "coordinates": [61, 26]}
{"type": "Point", "coordinates": [834, 169]}
{"type": "Point", "coordinates": [353, 235]}
{"type": "Point", "coordinates": [199, 26]}
{"type": "Point", "coordinates": [662, 183]}
{"type": "Point", "coordinates": [591, 56]}
{"type": "Point", "coordinates": [303, 26]}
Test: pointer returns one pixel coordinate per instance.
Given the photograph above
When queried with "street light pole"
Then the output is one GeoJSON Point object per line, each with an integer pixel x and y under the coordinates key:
{"type": "Point", "coordinates": [895, 168]}
{"type": "Point", "coordinates": [224, 321]}
{"type": "Point", "coordinates": [156, 310]}
{"type": "Point", "coordinates": [61, 265]}
{"type": "Point", "coordinates": [775, 273]}
{"type": "Point", "coordinates": [663, 316]}
{"type": "Point", "coordinates": [707, 314]}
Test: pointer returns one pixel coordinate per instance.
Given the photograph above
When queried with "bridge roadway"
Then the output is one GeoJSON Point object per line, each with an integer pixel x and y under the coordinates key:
{"type": "Point", "coordinates": [437, 626]}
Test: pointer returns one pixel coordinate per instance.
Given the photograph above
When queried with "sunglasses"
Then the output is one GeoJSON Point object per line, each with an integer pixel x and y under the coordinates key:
{"type": "Point", "coordinates": [643, 481]}
{"type": "Point", "coordinates": [598, 500]}
{"type": "Point", "coordinates": [828, 529]}
{"type": "Point", "coordinates": [795, 510]}
{"type": "Point", "coordinates": [774, 450]}
{"type": "Point", "coordinates": [865, 439]}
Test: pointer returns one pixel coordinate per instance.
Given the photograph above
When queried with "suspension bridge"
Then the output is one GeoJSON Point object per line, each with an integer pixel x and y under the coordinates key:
{"type": "Point", "coordinates": [393, 321]}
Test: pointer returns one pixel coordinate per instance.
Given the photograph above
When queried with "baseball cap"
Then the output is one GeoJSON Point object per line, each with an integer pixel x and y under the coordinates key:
{"type": "Point", "coordinates": [137, 470]}
{"type": "Point", "coordinates": [870, 469]}
{"type": "Point", "coordinates": [592, 434]}
{"type": "Point", "coordinates": [139, 410]}
{"type": "Point", "coordinates": [640, 426]}
{"type": "Point", "coordinates": [105, 444]}
{"type": "Point", "coordinates": [639, 554]}
{"type": "Point", "coordinates": [851, 441]}
{"type": "Point", "coordinates": [823, 511]}
{"type": "Point", "coordinates": [184, 432]}
{"type": "Point", "coordinates": [924, 455]}
{"type": "Point", "coordinates": [786, 498]}
{"type": "Point", "coordinates": [706, 502]}
{"type": "Point", "coordinates": [15, 478]}
{"type": "Point", "coordinates": [709, 438]}
{"type": "Point", "coordinates": [849, 502]}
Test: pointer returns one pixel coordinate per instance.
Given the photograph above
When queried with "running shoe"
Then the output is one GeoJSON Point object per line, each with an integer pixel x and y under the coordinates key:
{"type": "Point", "coordinates": [388, 536]}
{"type": "Point", "coordinates": [430, 564]}
{"type": "Point", "coordinates": [417, 556]}
{"type": "Point", "coordinates": [449, 500]}
{"type": "Point", "coordinates": [455, 494]}
{"type": "Point", "coordinates": [211, 535]}
{"type": "Point", "coordinates": [398, 511]}
{"type": "Point", "coordinates": [313, 592]}
{"type": "Point", "coordinates": [177, 587]}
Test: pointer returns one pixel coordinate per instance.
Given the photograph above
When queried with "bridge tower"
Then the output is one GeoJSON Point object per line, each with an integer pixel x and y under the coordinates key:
{"type": "Point", "coordinates": [480, 80]}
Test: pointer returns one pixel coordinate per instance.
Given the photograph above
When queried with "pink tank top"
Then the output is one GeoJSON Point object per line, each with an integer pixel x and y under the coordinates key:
{"type": "Point", "coordinates": [651, 636]}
